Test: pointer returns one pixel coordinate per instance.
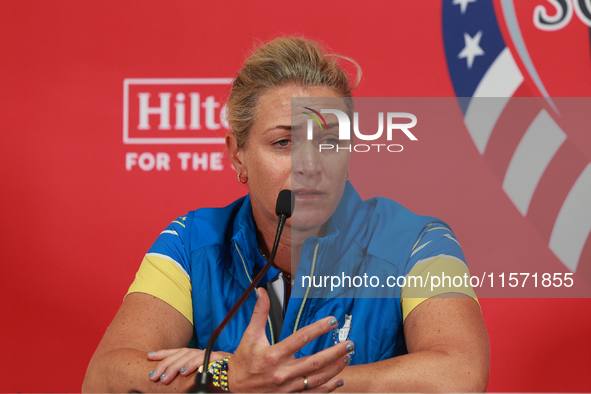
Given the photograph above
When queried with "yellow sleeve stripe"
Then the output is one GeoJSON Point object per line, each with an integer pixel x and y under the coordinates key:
{"type": "Point", "coordinates": [437, 228]}
{"type": "Point", "coordinates": [176, 221]}
{"type": "Point", "coordinates": [416, 243]}
{"type": "Point", "coordinates": [423, 272]}
{"type": "Point", "coordinates": [164, 278]}
{"type": "Point", "coordinates": [421, 265]}
{"type": "Point", "coordinates": [426, 231]}
{"type": "Point", "coordinates": [165, 257]}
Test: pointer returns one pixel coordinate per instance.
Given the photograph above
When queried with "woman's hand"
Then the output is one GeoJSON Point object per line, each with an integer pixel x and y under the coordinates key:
{"type": "Point", "coordinates": [184, 361]}
{"type": "Point", "coordinates": [257, 366]}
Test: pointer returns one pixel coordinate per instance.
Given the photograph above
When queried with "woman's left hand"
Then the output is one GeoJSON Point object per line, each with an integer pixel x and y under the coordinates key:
{"type": "Point", "coordinates": [184, 361]}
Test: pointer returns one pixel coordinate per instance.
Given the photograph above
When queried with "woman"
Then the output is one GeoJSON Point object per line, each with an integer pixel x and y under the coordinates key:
{"type": "Point", "coordinates": [199, 266]}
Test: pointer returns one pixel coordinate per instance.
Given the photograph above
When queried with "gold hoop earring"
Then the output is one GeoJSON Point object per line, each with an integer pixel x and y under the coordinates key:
{"type": "Point", "coordinates": [240, 179]}
{"type": "Point", "coordinates": [347, 178]}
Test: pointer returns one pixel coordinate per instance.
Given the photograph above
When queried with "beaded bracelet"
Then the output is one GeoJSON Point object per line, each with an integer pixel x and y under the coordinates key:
{"type": "Point", "coordinates": [219, 372]}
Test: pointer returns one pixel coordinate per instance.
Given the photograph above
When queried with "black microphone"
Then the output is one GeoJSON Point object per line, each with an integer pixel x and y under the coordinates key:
{"type": "Point", "coordinates": [283, 209]}
{"type": "Point", "coordinates": [285, 203]}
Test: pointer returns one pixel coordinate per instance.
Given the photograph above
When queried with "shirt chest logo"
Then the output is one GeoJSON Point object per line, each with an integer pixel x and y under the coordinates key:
{"type": "Point", "coordinates": [342, 334]}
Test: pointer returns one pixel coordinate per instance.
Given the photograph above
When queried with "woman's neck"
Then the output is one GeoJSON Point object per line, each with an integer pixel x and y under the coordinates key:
{"type": "Point", "coordinates": [290, 244]}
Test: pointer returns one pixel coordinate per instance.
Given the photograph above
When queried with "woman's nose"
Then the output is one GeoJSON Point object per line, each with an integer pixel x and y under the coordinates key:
{"type": "Point", "coordinates": [306, 160]}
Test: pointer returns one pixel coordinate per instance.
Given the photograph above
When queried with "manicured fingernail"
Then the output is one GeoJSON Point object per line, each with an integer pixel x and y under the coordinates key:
{"type": "Point", "coordinates": [183, 369]}
{"type": "Point", "coordinates": [341, 383]}
{"type": "Point", "coordinates": [164, 375]}
{"type": "Point", "coordinates": [347, 360]}
{"type": "Point", "coordinates": [152, 373]}
{"type": "Point", "coordinates": [151, 352]}
{"type": "Point", "coordinates": [350, 347]}
{"type": "Point", "coordinates": [332, 321]}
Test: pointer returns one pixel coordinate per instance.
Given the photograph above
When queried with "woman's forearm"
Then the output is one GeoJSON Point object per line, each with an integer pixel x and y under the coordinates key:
{"type": "Point", "coordinates": [425, 371]}
{"type": "Point", "coordinates": [124, 370]}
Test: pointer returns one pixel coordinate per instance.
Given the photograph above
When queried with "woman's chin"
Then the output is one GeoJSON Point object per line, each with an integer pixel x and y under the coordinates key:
{"type": "Point", "coordinates": [308, 221]}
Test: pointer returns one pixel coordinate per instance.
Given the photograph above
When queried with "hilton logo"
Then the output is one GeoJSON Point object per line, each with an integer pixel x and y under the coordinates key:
{"type": "Point", "coordinates": [174, 111]}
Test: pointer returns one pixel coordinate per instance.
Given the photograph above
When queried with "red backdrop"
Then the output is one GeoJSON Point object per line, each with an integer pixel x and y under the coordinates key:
{"type": "Point", "coordinates": [78, 213]}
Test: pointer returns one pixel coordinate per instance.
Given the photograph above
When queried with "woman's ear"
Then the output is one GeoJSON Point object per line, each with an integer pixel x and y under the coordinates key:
{"type": "Point", "coordinates": [236, 154]}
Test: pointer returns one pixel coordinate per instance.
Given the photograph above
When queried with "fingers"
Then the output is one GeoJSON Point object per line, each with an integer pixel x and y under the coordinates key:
{"type": "Point", "coordinates": [324, 375]}
{"type": "Point", "coordinates": [328, 374]}
{"type": "Point", "coordinates": [161, 354]}
{"type": "Point", "coordinates": [255, 332]}
{"type": "Point", "coordinates": [303, 336]}
{"type": "Point", "coordinates": [327, 387]}
{"type": "Point", "coordinates": [330, 360]}
{"type": "Point", "coordinates": [164, 371]}
{"type": "Point", "coordinates": [275, 369]}
{"type": "Point", "coordinates": [319, 368]}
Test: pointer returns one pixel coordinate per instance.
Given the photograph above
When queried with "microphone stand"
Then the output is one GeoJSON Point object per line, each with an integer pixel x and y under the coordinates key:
{"type": "Point", "coordinates": [203, 382]}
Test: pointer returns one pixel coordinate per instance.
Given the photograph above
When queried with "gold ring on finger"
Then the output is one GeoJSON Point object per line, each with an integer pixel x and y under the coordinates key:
{"type": "Point", "coordinates": [305, 383]}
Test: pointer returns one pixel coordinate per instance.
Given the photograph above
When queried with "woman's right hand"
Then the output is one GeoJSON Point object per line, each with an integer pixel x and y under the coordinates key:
{"type": "Point", "coordinates": [182, 361]}
{"type": "Point", "coordinates": [256, 366]}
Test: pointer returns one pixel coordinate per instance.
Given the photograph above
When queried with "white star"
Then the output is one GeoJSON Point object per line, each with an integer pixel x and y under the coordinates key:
{"type": "Point", "coordinates": [463, 4]}
{"type": "Point", "coordinates": [471, 48]}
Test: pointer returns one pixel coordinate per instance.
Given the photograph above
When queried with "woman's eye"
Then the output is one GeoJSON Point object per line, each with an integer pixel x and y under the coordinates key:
{"type": "Point", "coordinates": [282, 143]}
{"type": "Point", "coordinates": [333, 141]}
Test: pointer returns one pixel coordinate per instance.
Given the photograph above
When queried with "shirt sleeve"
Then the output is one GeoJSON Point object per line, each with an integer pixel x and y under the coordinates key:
{"type": "Point", "coordinates": [436, 266]}
{"type": "Point", "coordinates": [165, 270]}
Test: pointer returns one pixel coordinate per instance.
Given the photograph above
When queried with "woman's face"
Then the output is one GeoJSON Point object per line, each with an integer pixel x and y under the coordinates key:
{"type": "Point", "coordinates": [278, 155]}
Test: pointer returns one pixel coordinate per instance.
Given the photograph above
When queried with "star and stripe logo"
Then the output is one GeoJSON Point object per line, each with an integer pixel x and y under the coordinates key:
{"type": "Point", "coordinates": [515, 126]}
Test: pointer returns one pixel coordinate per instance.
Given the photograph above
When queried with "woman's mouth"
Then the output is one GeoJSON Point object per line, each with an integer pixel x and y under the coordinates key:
{"type": "Point", "coordinates": [308, 194]}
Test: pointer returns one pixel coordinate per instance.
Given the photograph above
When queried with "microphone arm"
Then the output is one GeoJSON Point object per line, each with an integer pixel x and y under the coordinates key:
{"type": "Point", "coordinates": [284, 209]}
{"type": "Point", "coordinates": [216, 333]}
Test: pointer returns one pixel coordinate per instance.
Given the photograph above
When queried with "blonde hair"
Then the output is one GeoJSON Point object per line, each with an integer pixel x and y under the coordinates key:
{"type": "Point", "coordinates": [283, 61]}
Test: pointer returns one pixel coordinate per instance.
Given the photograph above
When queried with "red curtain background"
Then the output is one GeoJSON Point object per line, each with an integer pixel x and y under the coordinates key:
{"type": "Point", "coordinates": [76, 222]}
